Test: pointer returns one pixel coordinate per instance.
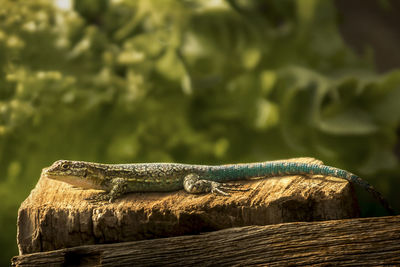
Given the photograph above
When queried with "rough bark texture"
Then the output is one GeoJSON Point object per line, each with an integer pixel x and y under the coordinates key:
{"type": "Point", "coordinates": [55, 215]}
{"type": "Point", "coordinates": [355, 242]}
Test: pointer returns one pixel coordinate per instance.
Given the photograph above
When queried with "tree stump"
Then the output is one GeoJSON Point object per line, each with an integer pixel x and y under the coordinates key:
{"type": "Point", "coordinates": [56, 215]}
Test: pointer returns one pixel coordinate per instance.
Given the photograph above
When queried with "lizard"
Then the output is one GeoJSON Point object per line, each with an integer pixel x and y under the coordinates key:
{"type": "Point", "coordinates": [119, 179]}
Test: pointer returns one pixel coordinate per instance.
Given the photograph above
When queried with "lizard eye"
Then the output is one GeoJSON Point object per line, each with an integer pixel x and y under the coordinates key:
{"type": "Point", "coordinates": [65, 166]}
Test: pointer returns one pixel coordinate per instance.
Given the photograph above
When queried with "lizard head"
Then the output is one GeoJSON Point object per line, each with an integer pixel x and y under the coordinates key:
{"type": "Point", "coordinates": [77, 173]}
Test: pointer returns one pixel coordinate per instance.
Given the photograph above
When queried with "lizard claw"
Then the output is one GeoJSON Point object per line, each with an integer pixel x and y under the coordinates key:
{"type": "Point", "coordinates": [218, 191]}
{"type": "Point", "coordinates": [220, 188]}
{"type": "Point", "coordinates": [233, 187]}
{"type": "Point", "coordinates": [100, 197]}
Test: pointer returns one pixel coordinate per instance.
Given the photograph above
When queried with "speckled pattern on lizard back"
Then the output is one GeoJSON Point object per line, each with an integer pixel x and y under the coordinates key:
{"type": "Point", "coordinates": [119, 179]}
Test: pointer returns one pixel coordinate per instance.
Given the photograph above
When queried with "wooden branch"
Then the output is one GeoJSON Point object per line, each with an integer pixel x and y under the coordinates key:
{"type": "Point", "coordinates": [367, 241]}
{"type": "Point", "coordinates": [56, 215]}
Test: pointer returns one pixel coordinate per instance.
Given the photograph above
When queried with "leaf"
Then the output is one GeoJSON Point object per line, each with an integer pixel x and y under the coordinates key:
{"type": "Point", "coordinates": [348, 122]}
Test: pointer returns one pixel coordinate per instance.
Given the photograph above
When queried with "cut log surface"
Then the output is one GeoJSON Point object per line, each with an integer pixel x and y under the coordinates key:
{"type": "Point", "coordinates": [352, 242]}
{"type": "Point", "coordinates": [56, 215]}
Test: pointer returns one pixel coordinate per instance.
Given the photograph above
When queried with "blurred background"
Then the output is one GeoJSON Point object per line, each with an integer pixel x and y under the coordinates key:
{"type": "Point", "coordinates": [205, 82]}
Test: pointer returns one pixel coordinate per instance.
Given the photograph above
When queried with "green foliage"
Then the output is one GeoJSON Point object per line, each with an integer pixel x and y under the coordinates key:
{"type": "Point", "coordinates": [185, 81]}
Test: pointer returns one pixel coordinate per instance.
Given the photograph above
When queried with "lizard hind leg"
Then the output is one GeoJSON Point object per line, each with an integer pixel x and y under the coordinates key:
{"type": "Point", "coordinates": [194, 185]}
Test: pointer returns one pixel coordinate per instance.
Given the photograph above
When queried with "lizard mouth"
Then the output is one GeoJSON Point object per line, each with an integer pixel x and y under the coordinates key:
{"type": "Point", "coordinates": [46, 172]}
{"type": "Point", "coordinates": [70, 179]}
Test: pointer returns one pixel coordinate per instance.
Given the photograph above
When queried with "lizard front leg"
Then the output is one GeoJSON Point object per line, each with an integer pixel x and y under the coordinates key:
{"type": "Point", "coordinates": [194, 185]}
{"type": "Point", "coordinates": [118, 188]}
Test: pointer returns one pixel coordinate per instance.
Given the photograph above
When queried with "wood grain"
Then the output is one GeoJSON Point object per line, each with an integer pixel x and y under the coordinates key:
{"type": "Point", "coordinates": [56, 215]}
{"type": "Point", "coordinates": [360, 242]}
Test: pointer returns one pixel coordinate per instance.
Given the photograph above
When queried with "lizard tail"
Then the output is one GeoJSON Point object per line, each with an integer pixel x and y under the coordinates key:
{"type": "Point", "coordinates": [268, 169]}
{"type": "Point", "coordinates": [364, 184]}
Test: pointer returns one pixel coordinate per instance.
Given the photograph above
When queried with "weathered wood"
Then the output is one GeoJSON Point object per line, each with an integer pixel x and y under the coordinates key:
{"type": "Point", "coordinates": [55, 215]}
{"type": "Point", "coordinates": [361, 242]}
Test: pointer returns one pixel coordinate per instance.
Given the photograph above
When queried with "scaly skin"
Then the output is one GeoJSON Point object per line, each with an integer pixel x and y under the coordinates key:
{"type": "Point", "coordinates": [119, 179]}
